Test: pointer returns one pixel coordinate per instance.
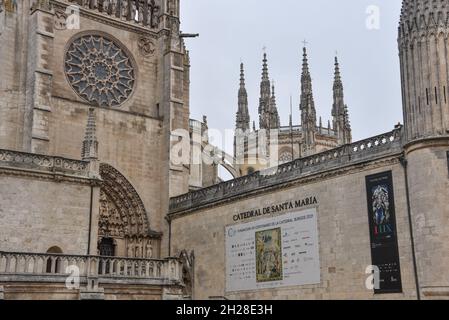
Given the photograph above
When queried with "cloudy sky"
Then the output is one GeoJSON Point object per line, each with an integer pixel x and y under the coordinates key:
{"type": "Point", "coordinates": [237, 30]}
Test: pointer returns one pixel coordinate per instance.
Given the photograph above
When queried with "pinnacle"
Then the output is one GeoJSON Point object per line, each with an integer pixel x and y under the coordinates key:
{"type": "Point", "coordinates": [242, 76]}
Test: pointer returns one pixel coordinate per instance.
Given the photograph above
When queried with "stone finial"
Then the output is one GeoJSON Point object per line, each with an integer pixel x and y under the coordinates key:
{"type": "Point", "coordinates": [90, 143]}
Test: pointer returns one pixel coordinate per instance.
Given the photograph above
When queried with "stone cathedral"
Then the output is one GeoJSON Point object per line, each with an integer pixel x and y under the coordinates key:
{"type": "Point", "coordinates": [94, 204]}
{"type": "Point", "coordinates": [291, 141]}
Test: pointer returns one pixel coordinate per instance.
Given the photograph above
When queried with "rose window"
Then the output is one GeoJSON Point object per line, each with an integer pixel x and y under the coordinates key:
{"type": "Point", "coordinates": [99, 70]}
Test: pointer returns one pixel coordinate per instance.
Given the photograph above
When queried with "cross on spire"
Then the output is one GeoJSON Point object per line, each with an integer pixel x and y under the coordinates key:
{"type": "Point", "coordinates": [305, 43]}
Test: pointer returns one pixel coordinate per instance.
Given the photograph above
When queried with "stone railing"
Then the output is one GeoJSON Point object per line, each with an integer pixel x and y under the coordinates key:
{"type": "Point", "coordinates": [43, 267]}
{"type": "Point", "coordinates": [145, 13]}
{"type": "Point", "coordinates": [51, 164]}
{"type": "Point", "coordinates": [361, 151]}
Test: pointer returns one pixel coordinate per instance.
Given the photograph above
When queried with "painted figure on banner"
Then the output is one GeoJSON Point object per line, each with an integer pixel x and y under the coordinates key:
{"type": "Point", "coordinates": [381, 209]}
{"type": "Point", "coordinates": [380, 205]}
{"type": "Point", "coordinates": [269, 255]}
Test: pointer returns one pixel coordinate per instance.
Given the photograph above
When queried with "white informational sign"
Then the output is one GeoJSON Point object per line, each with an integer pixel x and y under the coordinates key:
{"type": "Point", "coordinates": [274, 252]}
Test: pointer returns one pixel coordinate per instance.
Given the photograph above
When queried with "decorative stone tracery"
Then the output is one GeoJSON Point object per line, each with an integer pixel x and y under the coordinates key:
{"type": "Point", "coordinates": [99, 70]}
{"type": "Point", "coordinates": [123, 216]}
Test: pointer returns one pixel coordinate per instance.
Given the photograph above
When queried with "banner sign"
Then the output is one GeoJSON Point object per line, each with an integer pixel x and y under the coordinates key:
{"type": "Point", "coordinates": [382, 224]}
{"type": "Point", "coordinates": [274, 252]}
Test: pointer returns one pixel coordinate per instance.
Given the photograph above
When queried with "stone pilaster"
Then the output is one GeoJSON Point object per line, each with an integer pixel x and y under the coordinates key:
{"type": "Point", "coordinates": [39, 79]}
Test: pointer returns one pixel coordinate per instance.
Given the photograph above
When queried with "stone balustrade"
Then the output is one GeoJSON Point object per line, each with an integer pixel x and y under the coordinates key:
{"type": "Point", "coordinates": [145, 13]}
{"type": "Point", "coordinates": [366, 150]}
{"type": "Point", "coordinates": [32, 161]}
{"type": "Point", "coordinates": [41, 267]}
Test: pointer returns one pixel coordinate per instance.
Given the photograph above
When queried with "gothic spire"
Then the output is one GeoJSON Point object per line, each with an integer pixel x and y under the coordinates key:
{"type": "Point", "coordinates": [340, 112]}
{"type": "Point", "coordinates": [90, 143]}
{"type": "Point", "coordinates": [265, 96]}
{"type": "Point", "coordinates": [307, 105]}
{"type": "Point", "coordinates": [242, 119]}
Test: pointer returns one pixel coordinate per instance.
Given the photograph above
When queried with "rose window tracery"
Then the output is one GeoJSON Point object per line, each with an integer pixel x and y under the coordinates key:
{"type": "Point", "coordinates": [99, 70]}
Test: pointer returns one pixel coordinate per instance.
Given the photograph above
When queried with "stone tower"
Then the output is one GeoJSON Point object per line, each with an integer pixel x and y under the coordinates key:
{"type": "Point", "coordinates": [307, 108]}
{"type": "Point", "coordinates": [423, 52]}
{"type": "Point", "coordinates": [424, 57]}
{"type": "Point", "coordinates": [340, 114]}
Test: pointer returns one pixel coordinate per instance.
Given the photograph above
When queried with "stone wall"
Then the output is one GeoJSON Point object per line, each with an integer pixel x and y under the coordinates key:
{"type": "Point", "coordinates": [343, 235]}
{"type": "Point", "coordinates": [45, 202]}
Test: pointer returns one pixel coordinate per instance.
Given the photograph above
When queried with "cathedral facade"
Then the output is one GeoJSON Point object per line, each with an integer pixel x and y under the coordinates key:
{"type": "Point", "coordinates": [95, 204]}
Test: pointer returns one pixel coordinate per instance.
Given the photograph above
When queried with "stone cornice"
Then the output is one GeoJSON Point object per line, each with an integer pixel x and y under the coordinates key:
{"type": "Point", "coordinates": [435, 141]}
{"type": "Point", "coordinates": [45, 167]}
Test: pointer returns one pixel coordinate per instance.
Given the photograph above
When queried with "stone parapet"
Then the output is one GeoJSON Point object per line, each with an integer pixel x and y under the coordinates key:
{"type": "Point", "coordinates": [56, 268]}
{"type": "Point", "coordinates": [42, 163]}
{"type": "Point", "coordinates": [367, 150]}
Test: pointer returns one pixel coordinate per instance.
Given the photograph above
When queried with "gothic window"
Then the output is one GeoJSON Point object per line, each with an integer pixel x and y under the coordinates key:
{"type": "Point", "coordinates": [99, 70]}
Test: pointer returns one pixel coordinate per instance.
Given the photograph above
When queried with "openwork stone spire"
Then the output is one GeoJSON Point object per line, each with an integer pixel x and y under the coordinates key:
{"type": "Point", "coordinates": [265, 96]}
{"type": "Point", "coordinates": [424, 57]}
{"type": "Point", "coordinates": [307, 106]}
{"type": "Point", "coordinates": [340, 113]}
{"type": "Point", "coordinates": [242, 119]}
{"type": "Point", "coordinates": [90, 143]}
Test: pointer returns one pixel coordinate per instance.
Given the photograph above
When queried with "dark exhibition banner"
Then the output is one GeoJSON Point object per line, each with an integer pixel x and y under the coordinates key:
{"type": "Point", "coordinates": [382, 224]}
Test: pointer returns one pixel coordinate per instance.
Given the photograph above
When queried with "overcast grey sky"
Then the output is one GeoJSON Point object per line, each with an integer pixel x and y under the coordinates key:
{"type": "Point", "coordinates": [234, 30]}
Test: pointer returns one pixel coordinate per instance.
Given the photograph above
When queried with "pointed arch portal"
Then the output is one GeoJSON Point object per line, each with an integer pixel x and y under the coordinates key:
{"type": "Point", "coordinates": [123, 218]}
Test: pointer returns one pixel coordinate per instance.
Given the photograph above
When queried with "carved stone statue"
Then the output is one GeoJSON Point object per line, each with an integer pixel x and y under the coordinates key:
{"type": "Point", "coordinates": [149, 250]}
{"type": "Point", "coordinates": [130, 248]}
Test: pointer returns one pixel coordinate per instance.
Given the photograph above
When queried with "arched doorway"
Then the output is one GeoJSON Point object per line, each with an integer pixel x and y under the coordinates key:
{"type": "Point", "coordinates": [123, 222]}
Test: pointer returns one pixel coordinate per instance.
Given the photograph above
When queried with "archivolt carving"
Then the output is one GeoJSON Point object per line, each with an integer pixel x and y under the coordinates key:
{"type": "Point", "coordinates": [123, 215]}
{"type": "Point", "coordinates": [122, 212]}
